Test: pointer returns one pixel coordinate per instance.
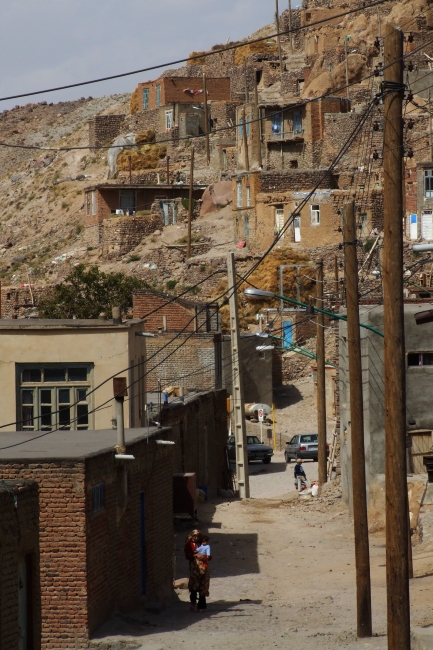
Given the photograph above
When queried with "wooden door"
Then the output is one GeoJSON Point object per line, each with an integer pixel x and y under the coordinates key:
{"type": "Point", "coordinates": [421, 445]}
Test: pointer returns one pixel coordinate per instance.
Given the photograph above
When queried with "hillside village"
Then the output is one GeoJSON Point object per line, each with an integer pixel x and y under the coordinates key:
{"type": "Point", "coordinates": [250, 153]}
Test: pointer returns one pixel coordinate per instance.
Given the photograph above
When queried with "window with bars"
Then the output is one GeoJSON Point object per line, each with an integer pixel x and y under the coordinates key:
{"type": "Point", "coordinates": [248, 189]}
{"type": "Point", "coordinates": [145, 98]}
{"type": "Point", "coordinates": [420, 359]}
{"type": "Point", "coordinates": [239, 194]}
{"type": "Point", "coordinates": [279, 220]}
{"type": "Point", "coordinates": [53, 396]}
{"type": "Point", "coordinates": [93, 202]}
{"type": "Point", "coordinates": [428, 183]}
{"type": "Point", "coordinates": [98, 497]}
{"type": "Point", "coordinates": [88, 201]}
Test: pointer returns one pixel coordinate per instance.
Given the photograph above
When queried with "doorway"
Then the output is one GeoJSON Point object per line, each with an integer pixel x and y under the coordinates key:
{"type": "Point", "coordinates": [421, 445]}
{"type": "Point", "coordinates": [25, 603]}
{"type": "Point", "coordinates": [169, 209]}
{"type": "Point", "coordinates": [297, 228]}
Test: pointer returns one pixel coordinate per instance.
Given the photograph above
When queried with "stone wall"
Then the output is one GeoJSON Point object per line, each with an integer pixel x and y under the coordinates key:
{"type": "Point", "coordinates": [120, 234]}
{"type": "Point", "coordinates": [295, 180]}
{"type": "Point", "coordinates": [17, 302]}
{"type": "Point", "coordinates": [103, 129]}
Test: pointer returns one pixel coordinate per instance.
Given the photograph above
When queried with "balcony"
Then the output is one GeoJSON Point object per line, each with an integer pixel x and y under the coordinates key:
{"type": "Point", "coordinates": [285, 136]}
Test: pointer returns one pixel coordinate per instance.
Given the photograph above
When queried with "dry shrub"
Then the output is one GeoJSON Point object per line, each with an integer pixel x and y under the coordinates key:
{"type": "Point", "coordinates": [146, 157]}
{"type": "Point", "coordinates": [199, 61]}
{"type": "Point", "coordinates": [144, 137]}
{"type": "Point", "coordinates": [263, 47]}
{"type": "Point", "coordinates": [267, 277]}
{"type": "Point", "coordinates": [135, 105]}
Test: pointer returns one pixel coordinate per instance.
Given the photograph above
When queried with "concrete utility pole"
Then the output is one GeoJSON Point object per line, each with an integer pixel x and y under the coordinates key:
{"type": "Point", "coordinates": [191, 184]}
{"type": "Point", "coordinates": [277, 24]}
{"type": "Point", "coordinates": [290, 27]}
{"type": "Point", "coordinates": [206, 119]}
{"type": "Point", "coordinates": [321, 389]}
{"type": "Point", "coordinates": [237, 385]}
{"type": "Point", "coordinates": [245, 140]}
{"type": "Point", "coordinates": [397, 563]}
{"type": "Point", "coordinates": [258, 124]}
{"type": "Point", "coordinates": [359, 490]}
{"type": "Point", "coordinates": [120, 392]}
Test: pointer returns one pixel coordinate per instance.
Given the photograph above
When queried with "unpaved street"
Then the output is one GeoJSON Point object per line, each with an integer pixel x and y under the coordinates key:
{"type": "Point", "coordinates": [282, 577]}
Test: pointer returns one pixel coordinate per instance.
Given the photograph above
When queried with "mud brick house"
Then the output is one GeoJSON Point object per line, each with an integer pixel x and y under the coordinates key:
{"type": "Point", "coordinates": [106, 529]}
{"type": "Point", "coordinates": [178, 90]}
{"type": "Point", "coordinates": [174, 315]}
{"type": "Point", "coordinates": [49, 366]}
{"type": "Point", "coordinates": [20, 590]}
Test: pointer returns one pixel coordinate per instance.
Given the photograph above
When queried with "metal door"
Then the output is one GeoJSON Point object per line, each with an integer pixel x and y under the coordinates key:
{"type": "Point", "coordinates": [288, 333]}
{"type": "Point", "coordinates": [22, 604]}
{"type": "Point", "coordinates": [426, 225]}
{"type": "Point", "coordinates": [142, 544]}
{"type": "Point", "coordinates": [164, 206]}
{"type": "Point", "coordinates": [421, 445]}
{"type": "Point", "coordinates": [297, 227]}
{"type": "Point", "coordinates": [413, 227]}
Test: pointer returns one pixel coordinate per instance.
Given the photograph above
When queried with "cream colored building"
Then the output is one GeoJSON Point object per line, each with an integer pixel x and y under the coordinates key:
{"type": "Point", "coordinates": [49, 368]}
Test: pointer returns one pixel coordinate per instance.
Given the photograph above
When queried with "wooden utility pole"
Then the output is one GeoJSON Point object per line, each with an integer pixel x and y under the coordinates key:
{"type": "Point", "coordinates": [397, 563]}
{"type": "Point", "coordinates": [277, 24]}
{"type": "Point", "coordinates": [290, 27]}
{"type": "Point", "coordinates": [321, 389]}
{"type": "Point", "coordinates": [430, 136]}
{"type": "Point", "coordinates": [258, 124]}
{"type": "Point", "coordinates": [206, 119]}
{"type": "Point", "coordinates": [168, 170]}
{"type": "Point", "coordinates": [337, 283]}
{"type": "Point", "coordinates": [237, 385]}
{"type": "Point", "coordinates": [245, 140]}
{"type": "Point", "coordinates": [191, 184]}
{"type": "Point", "coordinates": [359, 489]}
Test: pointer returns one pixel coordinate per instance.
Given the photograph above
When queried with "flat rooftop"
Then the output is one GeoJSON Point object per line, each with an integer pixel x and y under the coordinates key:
{"type": "Point", "coordinates": [64, 323]}
{"type": "Point", "coordinates": [63, 445]}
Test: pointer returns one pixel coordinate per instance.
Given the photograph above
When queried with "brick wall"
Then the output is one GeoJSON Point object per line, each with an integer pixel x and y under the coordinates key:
{"type": "Point", "coordinates": [104, 128]}
{"type": "Point", "coordinates": [172, 90]}
{"type": "Point", "coordinates": [199, 429]}
{"type": "Point", "coordinates": [62, 528]}
{"type": "Point", "coordinates": [19, 541]}
{"type": "Point", "coordinates": [192, 360]}
{"type": "Point", "coordinates": [119, 235]}
{"type": "Point", "coordinates": [180, 314]}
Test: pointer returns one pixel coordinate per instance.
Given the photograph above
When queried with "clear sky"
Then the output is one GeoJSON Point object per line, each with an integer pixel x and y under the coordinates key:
{"type": "Point", "coordinates": [46, 43]}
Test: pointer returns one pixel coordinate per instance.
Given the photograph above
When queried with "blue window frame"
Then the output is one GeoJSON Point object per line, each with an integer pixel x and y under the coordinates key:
{"type": "Point", "coordinates": [98, 497]}
{"type": "Point", "coordinates": [297, 122]}
{"type": "Point", "coordinates": [241, 127]}
{"type": "Point", "coordinates": [145, 98]}
{"type": "Point", "coordinates": [277, 124]}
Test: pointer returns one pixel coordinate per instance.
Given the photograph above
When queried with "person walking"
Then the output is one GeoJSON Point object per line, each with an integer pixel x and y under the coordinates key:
{"type": "Point", "coordinates": [198, 583]}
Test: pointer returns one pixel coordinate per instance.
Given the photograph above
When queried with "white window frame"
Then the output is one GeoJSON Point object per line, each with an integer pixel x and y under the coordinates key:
{"type": "Point", "coordinates": [94, 203]}
{"type": "Point", "coordinates": [168, 120]}
{"type": "Point", "coordinates": [279, 221]}
{"type": "Point", "coordinates": [315, 214]}
{"type": "Point", "coordinates": [239, 194]}
{"type": "Point", "coordinates": [248, 190]}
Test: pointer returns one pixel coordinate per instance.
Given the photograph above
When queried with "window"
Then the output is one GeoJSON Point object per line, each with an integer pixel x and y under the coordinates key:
{"type": "Point", "coordinates": [277, 124]}
{"type": "Point", "coordinates": [297, 122]}
{"type": "Point", "coordinates": [247, 124]}
{"type": "Point", "coordinates": [247, 226]}
{"type": "Point", "coordinates": [224, 152]}
{"type": "Point", "coordinates": [310, 438]}
{"type": "Point", "coordinates": [127, 200]}
{"type": "Point", "coordinates": [158, 96]}
{"type": "Point", "coordinates": [168, 120]}
{"type": "Point", "coordinates": [248, 196]}
{"type": "Point", "coordinates": [52, 396]}
{"type": "Point", "coordinates": [315, 215]}
{"type": "Point", "coordinates": [363, 221]}
{"type": "Point", "coordinates": [241, 127]}
{"type": "Point", "coordinates": [294, 440]}
{"type": "Point", "coordinates": [239, 194]}
{"type": "Point", "coordinates": [231, 440]}
{"type": "Point", "coordinates": [420, 359]}
{"type": "Point", "coordinates": [98, 497]}
{"type": "Point", "coordinates": [428, 183]}
{"type": "Point", "coordinates": [253, 440]}
{"type": "Point", "coordinates": [279, 220]}
{"type": "Point", "coordinates": [93, 202]}
{"type": "Point", "coordinates": [88, 197]}
{"type": "Point", "coordinates": [145, 98]}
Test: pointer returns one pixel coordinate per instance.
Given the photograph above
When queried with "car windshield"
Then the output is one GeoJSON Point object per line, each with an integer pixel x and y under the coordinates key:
{"type": "Point", "coordinates": [312, 437]}
{"type": "Point", "coordinates": [253, 440]}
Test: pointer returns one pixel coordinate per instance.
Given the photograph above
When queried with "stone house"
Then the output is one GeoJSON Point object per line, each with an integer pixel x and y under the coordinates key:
{"type": "Point", "coordinates": [106, 528]}
{"type": "Point", "coordinates": [20, 589]}
{"type": "Point", "coordinates": [174, 90]}
{"type": "Point", "coordinates": [50, 368]}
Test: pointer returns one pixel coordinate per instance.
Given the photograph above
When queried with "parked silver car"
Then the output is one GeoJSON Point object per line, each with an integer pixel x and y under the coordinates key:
{"type": "Point", "coordinates": [303, 445]}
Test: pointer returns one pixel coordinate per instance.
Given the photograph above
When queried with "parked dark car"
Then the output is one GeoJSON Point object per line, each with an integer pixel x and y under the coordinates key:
{"type": "Point", "coordinates": [303, 445]}
{"type": "Point", "coordinates": [256, 450]}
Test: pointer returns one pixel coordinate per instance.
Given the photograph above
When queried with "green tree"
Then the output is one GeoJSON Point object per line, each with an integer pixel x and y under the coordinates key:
{"type": "Point", "coordinates": [86, 293]}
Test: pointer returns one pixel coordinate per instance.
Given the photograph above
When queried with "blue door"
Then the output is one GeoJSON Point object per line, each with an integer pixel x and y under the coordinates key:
{"type": "Point", "coordinates": [143, 543]}
{"type": "Point", "coordinates": [288, 333]}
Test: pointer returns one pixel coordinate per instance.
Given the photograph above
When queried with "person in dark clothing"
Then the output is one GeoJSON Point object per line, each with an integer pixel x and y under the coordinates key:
{"type": "Point", "coordinates": [300, 476]}
{"type": "Point", "coordinates": [198, 583]}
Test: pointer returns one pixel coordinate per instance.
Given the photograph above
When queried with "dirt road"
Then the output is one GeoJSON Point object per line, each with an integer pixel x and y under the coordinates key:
{"type": "Point", "coordinates": [282, 577]}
